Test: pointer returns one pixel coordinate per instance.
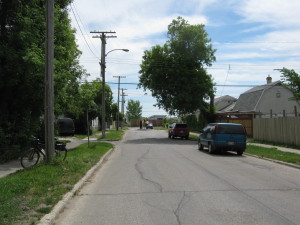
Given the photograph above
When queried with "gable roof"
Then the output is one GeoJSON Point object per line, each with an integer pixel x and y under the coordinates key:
{"type": "Point", "coordinates": [248, 101]}
{"type": "Point", "coordinates": [223, 102]}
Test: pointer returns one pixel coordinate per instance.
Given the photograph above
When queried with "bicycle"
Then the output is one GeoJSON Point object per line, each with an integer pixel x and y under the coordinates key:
{"type": "Point", "coordinates": [37, 150]}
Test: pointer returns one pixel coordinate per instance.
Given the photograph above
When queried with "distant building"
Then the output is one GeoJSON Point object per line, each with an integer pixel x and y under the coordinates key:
{"type": "Point", "coordinates": [157, 117]}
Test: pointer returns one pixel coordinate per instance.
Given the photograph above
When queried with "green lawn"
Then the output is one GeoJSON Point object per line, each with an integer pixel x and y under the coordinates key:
{"type": "Point", "coordinates": [273, 143]}
{"type": "Point", "coordinates": [29, 194]}
{"type": "Point", "coordinates": [113, 135]}
{"type": "Point", "coordinates": [273, 153]}
{"type": "Point", "coordinates": [193, 137]}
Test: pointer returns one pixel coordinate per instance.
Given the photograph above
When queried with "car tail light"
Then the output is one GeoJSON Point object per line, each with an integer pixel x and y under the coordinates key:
{"type": "Point", "coordinates": [216, 129]}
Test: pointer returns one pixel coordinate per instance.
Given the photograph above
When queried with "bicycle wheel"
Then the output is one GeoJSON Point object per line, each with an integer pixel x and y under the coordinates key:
{"type": "Point", "coordinates": [60, 151]}
{"type": "Point", "coordinates": [30, 158]}
{"type": "Point", "coordinates": [61, 155]}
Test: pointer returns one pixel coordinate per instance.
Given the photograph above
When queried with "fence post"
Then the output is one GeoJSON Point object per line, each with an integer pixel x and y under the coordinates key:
{"type": "Point", "coordinates": [295, 110]}
{"type": "Point", "coordinates": [283, 113]}
{"type": "Point", "coordinates": [271, 115]}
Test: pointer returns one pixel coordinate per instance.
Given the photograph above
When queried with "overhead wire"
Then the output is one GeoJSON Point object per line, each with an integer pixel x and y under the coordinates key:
{"type": "Point", "coordinates": [82, 32]}
{"type": "Point", "coordinates": [225, 79]}
{"type": "Point", "coordinates": [85, 29]}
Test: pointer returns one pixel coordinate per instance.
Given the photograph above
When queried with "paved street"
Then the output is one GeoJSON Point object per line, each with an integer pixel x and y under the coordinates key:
{"type": "Point", "coordinates": [150, 179]}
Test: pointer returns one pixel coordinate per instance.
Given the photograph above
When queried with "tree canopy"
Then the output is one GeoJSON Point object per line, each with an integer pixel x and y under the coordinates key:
{"type": "Point", "coordinates": [292, 80]}
{"type": "Point", "coordinates": [175, 73]}
{"type": "Point", "coordinates": [134, 109]}
{"type": "Point", "coordinates": [22, 65]}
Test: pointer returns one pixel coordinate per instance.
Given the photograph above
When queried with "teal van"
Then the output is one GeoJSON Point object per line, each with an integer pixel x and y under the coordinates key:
{"type": "Point", "coordinates": [220, 137]}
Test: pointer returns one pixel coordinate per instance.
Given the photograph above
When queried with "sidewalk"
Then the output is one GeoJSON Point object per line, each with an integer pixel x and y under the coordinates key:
{"type": "Point", "coordinates": [15, 165]}
{"type": "Point", "coordinates": [297, 151]}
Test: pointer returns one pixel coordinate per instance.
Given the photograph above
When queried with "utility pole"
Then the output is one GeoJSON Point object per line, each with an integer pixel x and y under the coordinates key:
{"type": "Point", "coordinates": [103, 37]}
{"type": "Point", "coordinates": [119, 77]}
{"type": "Point", "coordinates": [123, 100]}
{"type": "Point", "coordinates": [49, 96]}
{"type": "Point", "coordinates": [123, 103]}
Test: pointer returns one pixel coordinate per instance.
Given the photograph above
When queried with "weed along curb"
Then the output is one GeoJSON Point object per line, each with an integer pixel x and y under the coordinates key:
{"type": "Point", "coordinates": [49, 218]}
{"type": "Point", "coordinates": [274, 160]}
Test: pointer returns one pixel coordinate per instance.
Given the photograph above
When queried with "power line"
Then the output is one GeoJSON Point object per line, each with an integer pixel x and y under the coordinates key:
{"type": "Point", "coordinates": [216, 85]}
{"type": "Point", "coordinates": [82, 33]}
{"type": "Point", "coordinates": [85, 29]}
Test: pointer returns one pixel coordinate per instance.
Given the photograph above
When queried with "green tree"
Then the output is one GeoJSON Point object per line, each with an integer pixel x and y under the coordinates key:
{"type": "Point", "coordinates": [175, 72]}
{"type": "Point", "coordinates": [134, 109]}
{"type": "Point", "coordinates": [292, 80]}
{"type": "Point", "coordinates": [89, 98]}
{"type": "Point", "coordinates": [22, 66]}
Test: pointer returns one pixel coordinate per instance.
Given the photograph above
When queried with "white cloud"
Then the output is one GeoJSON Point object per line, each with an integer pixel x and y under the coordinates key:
{"type": "Point", "coordinates": [139, 25]}
{"type": "Point", "coordinates": [276, 13]}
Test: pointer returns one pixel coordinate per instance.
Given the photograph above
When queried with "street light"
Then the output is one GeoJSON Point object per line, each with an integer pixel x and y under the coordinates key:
{"type": "Point", "coordinates": [121, 49]}
{"type": "Point", "coordinates": [103, 66]}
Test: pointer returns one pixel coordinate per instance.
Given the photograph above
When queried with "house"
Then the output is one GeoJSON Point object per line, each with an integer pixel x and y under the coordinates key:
{"type": "Point", "coordinates": [269, 100]}
{"type": "Point", "coordinates": [157, 117]}
{"type": "Point", "coordinates": [224, 103]}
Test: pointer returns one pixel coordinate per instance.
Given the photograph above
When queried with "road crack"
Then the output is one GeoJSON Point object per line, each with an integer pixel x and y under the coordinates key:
{"type": "Point", "coordinates": [142, 174]}
{"type": "Point", "coordinates": [185, 198]}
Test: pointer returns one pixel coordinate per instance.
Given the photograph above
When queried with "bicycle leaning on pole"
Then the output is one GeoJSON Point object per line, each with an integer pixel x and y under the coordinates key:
{"type": "Point", "coordinates": [37, 151]}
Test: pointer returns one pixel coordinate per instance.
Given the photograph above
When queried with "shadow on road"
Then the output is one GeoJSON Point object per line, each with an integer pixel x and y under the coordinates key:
{"type": "Point", "coordinates": [166, 141]}
{"type": "Point", "coordinates": [221, 154]}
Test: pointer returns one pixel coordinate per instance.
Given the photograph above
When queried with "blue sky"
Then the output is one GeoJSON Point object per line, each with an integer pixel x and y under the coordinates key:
{"type": "Point", "coordinates": [252, 38]}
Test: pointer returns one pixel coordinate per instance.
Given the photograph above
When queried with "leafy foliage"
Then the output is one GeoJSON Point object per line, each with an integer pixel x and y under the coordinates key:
{"type": "Point", "coordinates": [22, 59]}
{"type": "Point", "coordinates": [134, 110]}
{"type": "Point", "coordinates": [89, 98]}
{"type": "Point", "coordinates": [175, 72]}
{"type": "Point", "coordinates": [292, 81]}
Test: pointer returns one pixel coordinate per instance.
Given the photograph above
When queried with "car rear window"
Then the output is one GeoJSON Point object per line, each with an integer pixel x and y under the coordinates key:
{"type": "Point", "coordinates": [181, 125]}
{"type": "Point", "coordinates": [230, 129]}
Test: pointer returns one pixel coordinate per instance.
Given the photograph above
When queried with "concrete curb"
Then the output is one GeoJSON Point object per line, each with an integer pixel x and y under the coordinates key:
{"type": "Point", "coordinates": [49, 218]}
{"type": "Point", "coordinates": [274, 160]}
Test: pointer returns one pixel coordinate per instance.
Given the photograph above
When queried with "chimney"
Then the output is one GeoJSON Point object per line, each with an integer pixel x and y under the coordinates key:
{"type": "Point", "coordinates": [269, 79]}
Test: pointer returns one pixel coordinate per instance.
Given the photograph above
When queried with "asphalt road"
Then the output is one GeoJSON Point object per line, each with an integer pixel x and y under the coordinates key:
{"type": "Point", "coordinates": [150, 179]}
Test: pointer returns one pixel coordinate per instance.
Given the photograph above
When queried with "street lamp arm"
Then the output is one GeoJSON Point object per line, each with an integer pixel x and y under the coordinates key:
{"type": "Point", "coordinates": [121, 49]}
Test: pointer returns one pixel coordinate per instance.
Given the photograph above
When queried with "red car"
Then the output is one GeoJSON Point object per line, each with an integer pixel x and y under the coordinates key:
{"type": "Point", "coordinates": [179, 130]}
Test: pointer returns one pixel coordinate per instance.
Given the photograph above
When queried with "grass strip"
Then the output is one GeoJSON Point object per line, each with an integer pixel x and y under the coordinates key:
{"type": "Point", "coordinates": [273, 143]}
{"type": "Point", "coordinates": [113, 135]}
{"type": "Point", "coordinates": [273, 153]}
{"type": "Point", "coordinates": [29, 194]}
{"type": "Point", "coordinates": [193, 137]}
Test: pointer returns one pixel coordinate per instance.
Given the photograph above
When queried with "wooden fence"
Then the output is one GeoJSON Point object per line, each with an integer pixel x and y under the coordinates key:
{"type": "Point", "coordinates": [245, 119]}
{"type": "Point", "coordinates": [285, 130]}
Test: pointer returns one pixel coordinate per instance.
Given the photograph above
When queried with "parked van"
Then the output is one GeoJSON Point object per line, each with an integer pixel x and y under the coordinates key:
{"type": "Point", "coordinates": [179, 130]}
{"type": "Point", "coordinates": [223, 137]}
{"type": "Point", "coordinates": [66, 127]}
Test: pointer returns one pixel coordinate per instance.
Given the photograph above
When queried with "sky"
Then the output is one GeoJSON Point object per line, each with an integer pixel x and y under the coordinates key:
{"type": "Point", "coordinates": [253, 38]}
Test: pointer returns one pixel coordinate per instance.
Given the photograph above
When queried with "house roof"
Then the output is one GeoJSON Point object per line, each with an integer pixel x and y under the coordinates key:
{"type": "Point", "coordinates": [249, 99]}
{"type": "Point", "coordinates": [224, 102]}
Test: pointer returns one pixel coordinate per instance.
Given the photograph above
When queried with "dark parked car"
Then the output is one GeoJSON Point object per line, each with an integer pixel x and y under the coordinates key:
{"type": "Point", "coordinates": [179, 130]}
{"type": "Point", "coordinates": [66, 126]}
{"type": "Point", "coordinates": [223, 137]}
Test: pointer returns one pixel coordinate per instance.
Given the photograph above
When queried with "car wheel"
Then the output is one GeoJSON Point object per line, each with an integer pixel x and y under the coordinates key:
{"type": "Point", "coordinates": [187, 137]}
{"type": "Point", "coordinates": [173, 136]}
{"type": "Point", "coordinates": [211, 149]}
{"type": "Point", "coordinates": [169, 135]}
{"type": "Point", "coordinates": [200, 146]}
{"type": "Point", "coordinates": [240, 152]}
